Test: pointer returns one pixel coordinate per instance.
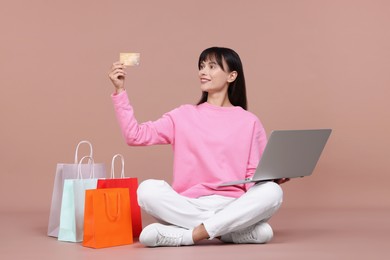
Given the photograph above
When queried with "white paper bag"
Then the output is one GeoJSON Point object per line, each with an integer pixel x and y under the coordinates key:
{"type": "Point", "coordinates": [68, 171]}
{"type": "Point", "coordinates": [72, 207]}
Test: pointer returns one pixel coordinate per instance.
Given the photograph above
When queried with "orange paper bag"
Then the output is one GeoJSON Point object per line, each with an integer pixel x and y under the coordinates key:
{"type": "Point", "coordinates": [107, 218]}
{"type": "Point", "coordinates": [132, 185]}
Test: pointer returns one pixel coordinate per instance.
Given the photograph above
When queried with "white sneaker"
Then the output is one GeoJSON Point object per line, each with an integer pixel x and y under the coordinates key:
{"type": "Point", "coordinates": [256, 234]}
{"type": "Point", "coordinates": [161, 235]}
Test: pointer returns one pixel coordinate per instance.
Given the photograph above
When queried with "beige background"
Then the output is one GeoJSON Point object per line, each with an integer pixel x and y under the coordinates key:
{"type": "Point", "coordinates": [308, 64]}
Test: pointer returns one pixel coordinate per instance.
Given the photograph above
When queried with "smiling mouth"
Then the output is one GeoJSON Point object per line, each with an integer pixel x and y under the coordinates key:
{"type": "Point", "coordinates": [204, 81]}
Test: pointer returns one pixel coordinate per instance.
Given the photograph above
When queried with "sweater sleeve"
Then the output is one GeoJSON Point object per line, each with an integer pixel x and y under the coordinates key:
{"type": "Point", "coordinates": [259, 141]}
{"type": "Point", "coordinates": [148, 133]}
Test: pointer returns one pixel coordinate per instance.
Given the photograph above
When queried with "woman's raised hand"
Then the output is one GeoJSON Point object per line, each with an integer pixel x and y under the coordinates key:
{"type": "Point", "coordinates": [117, 76]}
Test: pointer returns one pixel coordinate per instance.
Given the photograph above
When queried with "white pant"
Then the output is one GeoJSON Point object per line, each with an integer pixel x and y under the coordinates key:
{"type": "Point", "coordinates": [219, 214]}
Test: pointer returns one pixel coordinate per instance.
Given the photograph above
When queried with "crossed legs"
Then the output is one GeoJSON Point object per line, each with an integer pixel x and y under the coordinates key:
{"type": "Point", "coordinates": [210, 216]}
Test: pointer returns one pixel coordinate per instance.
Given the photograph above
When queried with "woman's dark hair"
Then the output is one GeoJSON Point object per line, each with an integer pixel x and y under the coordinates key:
{"type": "Point", "coordinates": [236, 89]}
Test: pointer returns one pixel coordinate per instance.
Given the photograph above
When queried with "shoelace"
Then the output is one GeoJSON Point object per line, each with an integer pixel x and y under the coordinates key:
{"type": "Point", "coordinates": [169, 239]}
{"type": "Point", "coordinates": [246, 235]}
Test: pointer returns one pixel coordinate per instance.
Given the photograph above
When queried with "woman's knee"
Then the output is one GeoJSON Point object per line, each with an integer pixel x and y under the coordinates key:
{"type": "Point", "coordinates": [275, 191]}
{"type": "Point", "coordinates": [148, 191]}
{"type": "Point", "coordinates": [272, 191]}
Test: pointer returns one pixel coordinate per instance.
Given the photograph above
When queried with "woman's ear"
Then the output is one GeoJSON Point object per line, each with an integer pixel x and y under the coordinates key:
{"type": "Point", "coordinates": [232, 76]}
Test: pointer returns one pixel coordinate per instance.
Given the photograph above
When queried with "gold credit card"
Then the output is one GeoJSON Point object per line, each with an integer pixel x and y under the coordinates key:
{"type": "Point", "coordinates": [129, 58]}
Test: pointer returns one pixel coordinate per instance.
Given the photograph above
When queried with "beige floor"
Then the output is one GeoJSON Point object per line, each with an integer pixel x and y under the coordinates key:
{"type": "Point", "coordinates": [299, 234]}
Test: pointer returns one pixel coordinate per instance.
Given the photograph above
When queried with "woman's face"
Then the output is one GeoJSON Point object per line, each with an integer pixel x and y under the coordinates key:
{"type": "Point", "coordinates": [213, 78]}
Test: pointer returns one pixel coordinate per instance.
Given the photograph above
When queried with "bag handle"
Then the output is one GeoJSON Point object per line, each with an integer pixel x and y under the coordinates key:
{"type": "Point", "coordinates": [113, 166]}
{"type": "Point", "coordinates": [77, 150]}
{"type": "Point", "coordinates": [91, 162]}
{"type": "Point", "coordinates": [110, 217]}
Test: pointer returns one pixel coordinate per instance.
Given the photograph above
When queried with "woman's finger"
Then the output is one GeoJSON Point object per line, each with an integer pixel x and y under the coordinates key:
{"type": "Point", "coordinates": [118, 64]}
{"type": "Point", "coordinates": [114, 73]}
{"type": "Point", "coordinates": [283, 180]}
{"type": "Point", "coordinates": [117, 75]}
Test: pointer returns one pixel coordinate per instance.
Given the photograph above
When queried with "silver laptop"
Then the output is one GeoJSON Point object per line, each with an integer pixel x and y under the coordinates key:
{"type": "Point", "coordinates": [289, 154]}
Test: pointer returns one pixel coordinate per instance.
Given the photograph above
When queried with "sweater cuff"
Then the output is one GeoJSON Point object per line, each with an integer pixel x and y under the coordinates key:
{"type": "Point", "coordinates": [114, 95]}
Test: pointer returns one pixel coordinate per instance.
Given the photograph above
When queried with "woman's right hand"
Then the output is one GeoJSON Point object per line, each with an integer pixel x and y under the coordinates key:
{"type": "Point", "coordinates": [117, 76]}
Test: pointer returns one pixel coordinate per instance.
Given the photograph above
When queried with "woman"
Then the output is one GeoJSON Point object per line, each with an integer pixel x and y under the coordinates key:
{"type": "Point", "coordinates": [215, 141]}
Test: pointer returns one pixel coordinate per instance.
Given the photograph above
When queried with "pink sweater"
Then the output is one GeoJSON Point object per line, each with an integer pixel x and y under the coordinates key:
{"type": "Point", "coordinates": [211, 144]}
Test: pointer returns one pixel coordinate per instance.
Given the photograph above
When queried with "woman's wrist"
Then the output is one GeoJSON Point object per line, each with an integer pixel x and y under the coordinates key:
{"type": "Point", "coordinates": [119, 90]}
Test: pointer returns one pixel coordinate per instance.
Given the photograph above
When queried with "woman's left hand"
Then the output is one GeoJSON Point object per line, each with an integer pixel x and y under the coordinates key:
{"type": "Point", "coordinates": [283, 180]}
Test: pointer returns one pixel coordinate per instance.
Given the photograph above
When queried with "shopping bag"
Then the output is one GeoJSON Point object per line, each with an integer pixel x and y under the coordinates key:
{"type": "Point", "coordinates": [68, 171]}
{"type": "Point", "coordinates": [72, 207]}
{"type": "Point", "coordinates": [132, 185]}
{"type": "Point", "coordinates": [107, 218]}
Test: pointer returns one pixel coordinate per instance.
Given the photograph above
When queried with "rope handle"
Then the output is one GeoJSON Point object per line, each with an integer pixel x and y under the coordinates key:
{"type": "Point", "coordinates": [90, 162]}
{"type": "Point", "coordinates": [77, 150]}
{"type": "Point", "coordinates": [113, 166]}
{"type": "Point", "coordinates": [113, 218]}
